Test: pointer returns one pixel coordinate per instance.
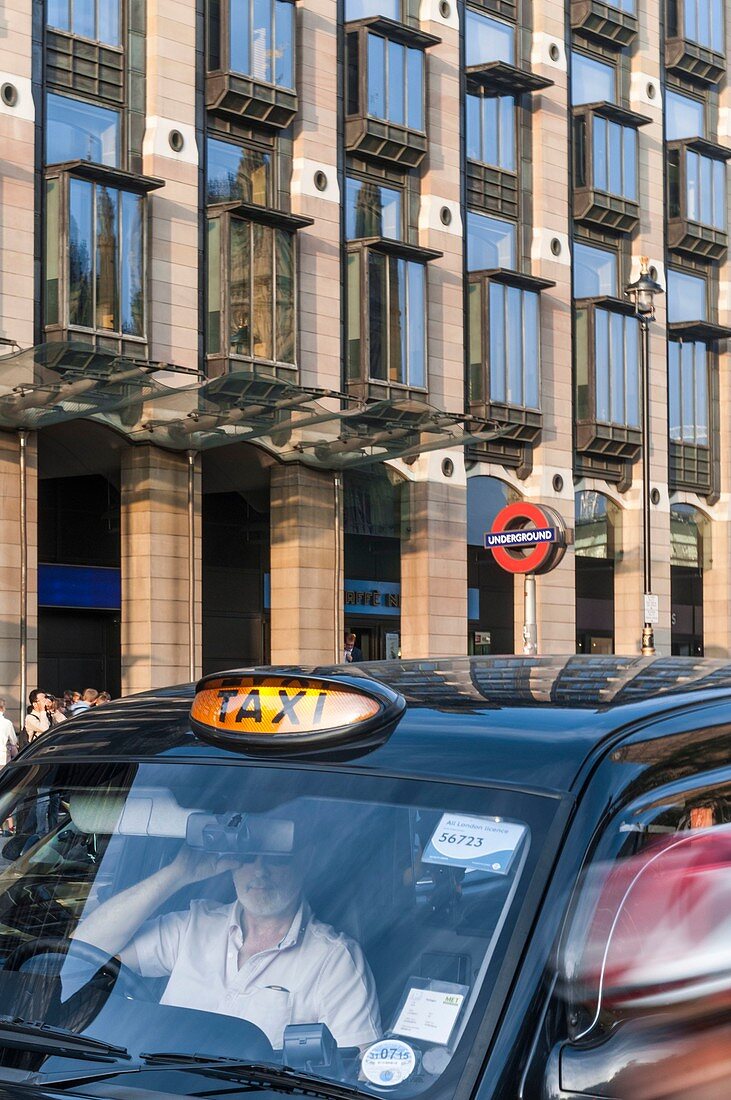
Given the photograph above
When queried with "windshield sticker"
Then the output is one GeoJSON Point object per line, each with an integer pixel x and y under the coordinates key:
{"type": "Point", "coordinates": [429, 1015]}
{"type": "Point", "coordinates": [484, 843]}
{"type": "Point", "coordinates": [388, 1062]}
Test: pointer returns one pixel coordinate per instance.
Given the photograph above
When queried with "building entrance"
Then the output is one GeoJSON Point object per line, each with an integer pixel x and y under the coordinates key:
{"type": "Point", "coordinates": [686, 581]}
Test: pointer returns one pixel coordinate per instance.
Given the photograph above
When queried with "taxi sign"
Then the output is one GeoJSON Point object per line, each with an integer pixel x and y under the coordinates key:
{"type": "Point", "coordinates": [262, 711]}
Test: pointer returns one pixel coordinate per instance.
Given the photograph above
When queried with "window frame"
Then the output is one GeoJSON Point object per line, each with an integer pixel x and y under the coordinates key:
{"type": "Point", "coordinates": [688, 235]}
{"type": "Point", "coordinates": [366, 178]}
{"type": "Point", "coordinates": [121, 20]}
{"type": "Point", "coordinates": [482, 96]}
{"type": "Point", "coordinates": [607, 20]}
{"type": "Point", "coordinates": [250, 144]}
{"type": "Point", "coordinates": [121, 140]}
{"type": "Point", "coordinates": [694, 61]}
{"type": "Point", "coordinates": [593, 204]}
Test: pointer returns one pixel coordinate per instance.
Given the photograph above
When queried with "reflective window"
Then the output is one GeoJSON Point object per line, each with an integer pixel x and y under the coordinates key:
{"type": "Point", "coordinates": [615, 158]}
{"type": "Point", "coordinates": [488, 39]}
{"type": "Point", "coordinates": [703, 23]}
{"type": "Point", "coordinates": [624, 5]}
{"type": "Point", "coordinates": [491, 130]}
{"type": "Point", "coordinates": [77, 130]}
{"type": "Point", "coordinates": [684, 116]}
{"type": "Point", "coordinates": [592, 81]}
{"type": "Point", "coordinates": [97, 19]}
{"type": "Point", "coordinates": [372, 210]}
{"type": "Point", "coordinates": [688, 392]}
{"type": "Point", "coordinates": [362, 9]}
{"type": "Point", "coordinates": [687, 296]}
{"type": "Point", "coordinates": [397, 320]}
{"type": "Point", "coordinates": [491, 242]}
{"type": "Point", "coordinates": [705, 181]}
{"type": "Point", "coordinates": [395, 82]}
{"type": "Point", "coordinates": [106, 258]}
{"type": "Point", "coordinates": [616, 365]}
{"type": "Point", "coordinates": [262, 40]}
{"type": "Point", "coordinates": [261, 292]}
{"type": "Point", "coordinates": [595, 272]}
{"type": "Point", "coordinates": [514, 336]}
{"type": "Point", "coordinates": [237, 172]}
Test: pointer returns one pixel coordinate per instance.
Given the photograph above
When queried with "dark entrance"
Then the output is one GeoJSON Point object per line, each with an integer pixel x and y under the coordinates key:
{"type": "Point", "coordinates": [80, 649]}
{"type": "Point", "coordinates": [597, 535]}
{"type": "Point", "coordinates": [491, 590]}
{"type": "Point", "coordinates": [686, 581]}
{"type": "Point", "coordinates": [372, 553]}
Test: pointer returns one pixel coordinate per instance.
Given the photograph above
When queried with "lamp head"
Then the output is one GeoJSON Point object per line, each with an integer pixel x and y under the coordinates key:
{"type": "Point", "coordinates": [642, 292]}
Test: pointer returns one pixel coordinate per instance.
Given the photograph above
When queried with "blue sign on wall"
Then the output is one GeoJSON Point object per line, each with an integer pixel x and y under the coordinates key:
{"type": "Point", "coordinates": [372, 598]}
{"type": "Point", "coordinates": [87, 586]}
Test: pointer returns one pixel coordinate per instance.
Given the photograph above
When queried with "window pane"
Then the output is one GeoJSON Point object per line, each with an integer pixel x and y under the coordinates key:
{"type": "Point", "coordinates": [236, 172]}
{"type": "Point", "coordinates": [397, 320]}
{"type": "Point", "coordinates": [240, 287]}
{"type": "Point", "coordinates": [601, 359]}
{"type": "Point", "coordinates": [284, 48]}
{"type": "Point", "coordinates": [601, 174]}
{"type": "Point", "coordinates": [239, 31]}
{"type": "Point", "coordinates": [490, 132]}
{"type": "Point", "coordinates": [263, 293]}
{"type": "Point", "coordinates": [376, 76]}
{"type": "Point", "coordinates": [684, 116]}
{"type": "Point", "coordinates": [108, 30]}
{"type": "Point", "coordinates": [285, 301]}
{"type": "Point", "coordinates": [107, 261]}
{"type": "Point", "coordinates": [498, 350]}
{"type": "Point", "coordinates": [515, 345]}
{"type": "Point", "coordinates": [76, 130]}
{"type": "Point", "coordinates": [396, 82]}
{"type": "Point", "coordinates": [717, 26]}
{"type": "Point", "coordinates": [371, 210]}
{"type": "Point", "coordinates": [719, 195]}
{"type": "Point", "coordinates": [84, 22]}
{"type": "Point", "coordinates": [507, 157]}
{"type": "Point", "coordinates": [415, 89]}
{"type": "Point", "coordinates": [592, 81]}
{"type": "Point", "coordinates": [473, 107]}
{"type": "Point", "coordinates": [133, 300]}
{"type": "Point", "coordinates": [57, 14]}
{"type": "Point", "coordinates": [701, 394]}
{"type": "Point", "coordinates": [488, 39]}
{"type": "Point", "coordinates": [213, 286]}
{"type": "Point", "coordinates": [687, 383]}
{"type": "Point", "coordinates": [491, 242]}
{"type": "Point", "coordinates": [674, 412]}
{"type": "Point", "coordinates": [614, 133]}
{"type": "Point", "coordinates": [353, 315]}
{"type": "Point", "coordinates": [261, 41]}
{"type": "Point", "coordinates": [706, 187]}
{"type": "Point", "coordinates": [361, 9]}
{"type": "Point", "coordinates": [629, 165]}
{"type": "Point", "coordinates": [632, 371]}
{"type": "Point", "coordinates": [617, 363]}
{"type": "Point", "coordinates": [474, 344]}
{"type": "Point", "coordinates": [416, 310]}
{"type": "Point", "coordinates": [595, 271]}
{"type": "Point", "coordinates": [377, 305]}
{"type": "Point", "coordinates": [703, 18]}
{"type": "Point", "coordinates": [531, 348]}
{"type": "Point", "coordinates": [686, 297]}
{"type": "Point", "coordinates": [51, 256]}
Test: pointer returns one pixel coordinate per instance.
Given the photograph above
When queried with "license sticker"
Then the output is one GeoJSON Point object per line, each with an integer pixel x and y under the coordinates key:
{"type": "Point", "coordinates": [429, 1014]}
{"type": "Point", "coordinates": [484, 843]}
{"type": "Point", "coordinates": [388, 1062]}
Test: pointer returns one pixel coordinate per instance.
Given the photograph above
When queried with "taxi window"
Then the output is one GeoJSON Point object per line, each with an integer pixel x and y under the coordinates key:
{"type": "Point", "coordinates": [268, 914]}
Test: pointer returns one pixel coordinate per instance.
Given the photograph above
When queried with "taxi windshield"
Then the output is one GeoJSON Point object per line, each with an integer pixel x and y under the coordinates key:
{"type": "Point", "coordinates": [347, 925]}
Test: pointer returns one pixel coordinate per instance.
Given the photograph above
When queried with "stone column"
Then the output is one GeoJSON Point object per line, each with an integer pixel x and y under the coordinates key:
{"type": "Point", "coordinates": [433, 560]}
{"type": "Point", "coordinates": [306, 566]}
{"type": "Point", "coordinates": [155, 573]}
{"type": "Point", "coordinates": [10, 570]}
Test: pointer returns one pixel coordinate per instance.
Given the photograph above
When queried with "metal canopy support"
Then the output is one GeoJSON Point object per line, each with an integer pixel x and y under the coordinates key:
{"type": "Point", "coordinates": [23, 516]}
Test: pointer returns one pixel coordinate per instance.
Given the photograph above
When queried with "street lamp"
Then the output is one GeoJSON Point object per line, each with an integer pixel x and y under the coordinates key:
{"type": "Point", "coordinates": [642, 294]}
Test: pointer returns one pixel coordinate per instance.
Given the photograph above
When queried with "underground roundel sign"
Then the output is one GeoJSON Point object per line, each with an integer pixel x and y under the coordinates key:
{"type": "Point", "coordinates": [527, 538]}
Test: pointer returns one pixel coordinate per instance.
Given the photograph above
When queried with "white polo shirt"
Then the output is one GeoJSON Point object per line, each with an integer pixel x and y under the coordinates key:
{"type": "Point", "coordinates": [314, 975]}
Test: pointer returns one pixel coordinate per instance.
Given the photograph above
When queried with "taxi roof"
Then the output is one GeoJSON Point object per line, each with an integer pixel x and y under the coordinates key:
{"type": "Point", "coordinates": [530, 722]}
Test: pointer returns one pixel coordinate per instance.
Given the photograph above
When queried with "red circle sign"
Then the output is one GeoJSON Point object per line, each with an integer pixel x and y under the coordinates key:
{"type": "Point", "coordinates": [538, 558]}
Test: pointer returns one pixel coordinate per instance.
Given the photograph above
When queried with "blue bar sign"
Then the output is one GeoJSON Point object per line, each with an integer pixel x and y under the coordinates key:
{"type": "Point", "coordinates": [518, 539]}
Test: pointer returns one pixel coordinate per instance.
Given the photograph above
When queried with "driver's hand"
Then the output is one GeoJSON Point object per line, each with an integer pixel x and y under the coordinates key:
{"type": "Point", "coordinates": [191, 865]}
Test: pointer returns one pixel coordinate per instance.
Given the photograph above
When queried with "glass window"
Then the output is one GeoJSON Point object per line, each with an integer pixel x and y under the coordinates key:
{"type": "Point", "coordinates": [491, 131]}
{"type": "Point", "coordinates": [106, 258]}
{"type": "Point", "coordinates": [261, 292]}
{"type": "Point", "coordinates": [362, 9]}
{"type": "Point", "coordinates": [592, 81]}
{"type": "Point", "coordinates": [616, 363]}
{"type": "Point", "coordinates": [703, 23]}
{"type": "Point", "coordinates": [488, 39]}
{"type": "Point", "coordinates": [684, 116]}
{"type": "Point", "coordinates": [372, 210]}
{"type": "Point", "coordinates": [52, 257]}
{"type": "Point", "coordinates": [96, 19]}
{"type": "Point", "coordinates": [595, 272]}
{"type": "Point", "coordinates": [688, 392]}
{"type": "Point", "coordinates": [262, 40]}
{"type": "Point", "coordinates": [491, 242]}
{"type": "Point", "coordinates": [397, 320]}
{"type": "Point", "coordinates": [615, 158]}
{"type": "Point", "coordinates": [514, 345]}
{"type": "Point", "coordinates": [705, 190]}
{"type": "Point", "coordinates": [77, 130]}
{"type": "Point", "coordinates": [687, 296]}
{"type": "Point", "coordinates": [395, 82]}
{"type": "Point", "coordinates": [238, 172]}
{"type": "Point", "coordinates": [213, 287]}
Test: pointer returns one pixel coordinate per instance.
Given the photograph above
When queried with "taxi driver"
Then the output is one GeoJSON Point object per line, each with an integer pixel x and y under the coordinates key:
{"type": "Point", "coordinates": [264, 958]}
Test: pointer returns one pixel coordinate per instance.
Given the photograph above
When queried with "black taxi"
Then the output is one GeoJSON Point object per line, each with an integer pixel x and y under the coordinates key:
{"type": "Point", "coordinates": [370, 880]}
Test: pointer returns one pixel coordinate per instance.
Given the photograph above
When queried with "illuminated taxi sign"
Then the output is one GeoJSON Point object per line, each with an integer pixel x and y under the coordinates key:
{"type": "Point", "coordinates": [261, 711]}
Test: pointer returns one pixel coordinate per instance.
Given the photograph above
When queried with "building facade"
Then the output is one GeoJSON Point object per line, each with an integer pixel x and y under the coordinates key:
{"type": "Point", "coordinates": [295, 296]}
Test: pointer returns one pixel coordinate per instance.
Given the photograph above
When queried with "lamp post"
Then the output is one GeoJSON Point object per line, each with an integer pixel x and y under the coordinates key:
{"type": "Point", "coordinates": [642, 294]}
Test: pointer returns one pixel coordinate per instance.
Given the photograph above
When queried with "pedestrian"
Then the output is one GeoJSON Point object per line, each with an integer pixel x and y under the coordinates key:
{"type": "Point", "coordinates": [8, 737]}
{"type": "Point", "coordinates": [352, 653]}
{"type": "Point", "coordinates": [55, 712]}
{"type": "Point", "coordinates": [69, 698]}
{"type": "Point", "coordinates": [84, 703]}
{"type": "Point", "coordinates": [103, 697]}
{"type": "Point", "coordinates": [36, 720]}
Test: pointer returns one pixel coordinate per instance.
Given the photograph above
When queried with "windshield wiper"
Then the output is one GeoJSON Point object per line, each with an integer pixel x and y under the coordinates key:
{"type": "Point", "coordinates": [48, 1039]}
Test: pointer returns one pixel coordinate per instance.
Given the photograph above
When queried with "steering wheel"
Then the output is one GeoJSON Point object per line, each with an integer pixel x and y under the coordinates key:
{"type": "Point", "coordinates": [115, 972]}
